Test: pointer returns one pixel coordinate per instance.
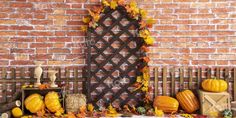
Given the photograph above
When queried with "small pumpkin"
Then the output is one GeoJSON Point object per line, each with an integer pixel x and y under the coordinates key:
{"type": "Point", "coordinates": [214, 85]}
{"type": "Point", "coordinates": [141, 110]}
{"type": "Point", "coordinates": [34, 103]}
{"type": "Point", "coordinates": [188, 101]}
{"type": "Point", "coordinates": [166, 104]}
{"type": "Point", "coordinates": [17, 112]}
{"type": "Point", "coordinates": [52, 102]}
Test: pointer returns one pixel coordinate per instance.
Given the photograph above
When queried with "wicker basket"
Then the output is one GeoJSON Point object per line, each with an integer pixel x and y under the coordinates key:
{"type": "Point", "coordinates": [74, 101]}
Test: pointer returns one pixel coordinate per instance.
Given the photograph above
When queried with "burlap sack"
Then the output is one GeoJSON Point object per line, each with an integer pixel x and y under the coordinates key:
{"type": "Point", "coordinates": [74, 101]}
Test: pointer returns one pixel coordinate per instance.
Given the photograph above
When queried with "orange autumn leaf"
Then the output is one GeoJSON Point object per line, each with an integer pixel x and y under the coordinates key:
{"type": "Point", "coordinates": [142, 24]}
{"type": "Point", "coordinates": [150, 22]}
{"type": "Point", "coordinates": [97, 9]}
{"type": "Point", "coordinates": [121, 2]}
{"type": "Point", "coordinates": [146, 59]}
{"type": "Point", "coordinates": [144, 48]}
{"type": "Point", "coordinates": [95, 16]}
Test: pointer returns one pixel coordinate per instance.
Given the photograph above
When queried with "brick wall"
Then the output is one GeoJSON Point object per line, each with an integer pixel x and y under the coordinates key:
{"type": "Point", "coordinates": [187, 32]}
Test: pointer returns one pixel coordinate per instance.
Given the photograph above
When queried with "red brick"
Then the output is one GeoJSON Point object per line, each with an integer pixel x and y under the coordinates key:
{"type": "Point", "coordinates": [39, 33]}
{"type": "Point", "coordinates": [220, 10]}
{"type": "Point", "coordinates": [166, 28]}
{"type": "Point", "coordinates": [185, 10]}
{"type": "Point", "coordinates": [22, 33]}
{"type": "Point", "coordinates": [41, 57]}
{"type": "Point", "coordinates": [223, 33]}
{"type": "Point", "coordinates": [22, 50]}
{"type": "Point", "coordinates": [6, 56]}
{"type": "Point", "coordinates": [22, 62]}
{"type": "Point", "coordinates": [202, 27]}
{"type": "Point", "coordinates": [75, 33]}
{"type": "Point", "coordinates": [203, 50]}
{"type": "Point", "coordinates": [19, 4]}
{"type": "Point", "coordinates": [185, 0]}
{"type": "Point", "coordinates": [3, 27]}
{"type": "Point", "coordinates": [21, 16]}
{"type": "Point", "coordinates": [184, 22]}
{"type": "Point", "coordinates": [75, 23]}
{"type": "Point", "coordinates": [39, 16]}
{"type": "Point", "coordinates": [40, 45]}
{"type": "Point", "coordinates": [60, 33]}
{"type": "Point", "coordinates": [21, 28]}
{"type": "Point", "coordinates": [203, 39]}
{"type": "Point", "coordinates": [60, 39]}
{"type": "Point", "coordinates": [84, 12]}
{"type": "Point", "coordinates": [59, 50]}
{"type": "Point", "coordinates": [41, 22]}
{"type": "Point", "coordinates": [203, 62]}
{"type": "Point", "coordinates": [75, 1]}
{"type": "Point", "coordinates": [202, 16]}
{"type": "Point", "coordinates": [21, 39]}
{"type": "Point", "coordinates": [7, 33]}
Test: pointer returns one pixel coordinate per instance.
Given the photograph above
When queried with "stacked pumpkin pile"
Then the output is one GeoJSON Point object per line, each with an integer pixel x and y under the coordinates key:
{"type": "Point", "coordinates": [187, 100]}
{"type": "Point", "coordinates": [38, 105]}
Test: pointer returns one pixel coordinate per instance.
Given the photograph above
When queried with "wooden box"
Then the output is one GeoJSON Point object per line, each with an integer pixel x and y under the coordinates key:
{"type": "Point", "coordinates": [233, 108]}
{"type": "Point", "coordinates": [28, 91]}
{"type": "Point", "coordinates": [212, 104]}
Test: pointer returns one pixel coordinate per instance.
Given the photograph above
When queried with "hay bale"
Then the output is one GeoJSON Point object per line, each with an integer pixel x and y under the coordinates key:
{"type": "Point", "coordinates": [74, 101]}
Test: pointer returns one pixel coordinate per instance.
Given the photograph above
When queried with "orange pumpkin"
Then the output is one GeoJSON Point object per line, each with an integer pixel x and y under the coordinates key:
{"type": "Point", "coordinates": [188, 101]}
{"type": "Point", "coordinates": [34, 103]}
{"type": "Point", "coordinates": [166, 104]}
{"type": "Point", "coordinates": [52, 102]}
{"type": "Point", "coordinates": [214, 85]}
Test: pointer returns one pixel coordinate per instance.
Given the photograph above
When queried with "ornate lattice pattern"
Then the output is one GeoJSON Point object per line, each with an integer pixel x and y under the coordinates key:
{"type": "Point", "coordinates": [113, 59]}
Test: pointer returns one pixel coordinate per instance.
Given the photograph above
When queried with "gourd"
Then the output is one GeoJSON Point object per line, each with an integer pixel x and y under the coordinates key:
{"type": "Point", "coordinates": [188, 101]}
{"type": "Point", "coordinates": [166, 104]}
{"type": "Point", "coordinates": [52, 102]}
{"type": "Point", "coordinates": [17, 112]}
{"type": "Point", "coordinates": [34, 103]}
{"type": "Point", "coordinates": [141, 110]}
{"type": "Point", "coordinates": [214, 85]}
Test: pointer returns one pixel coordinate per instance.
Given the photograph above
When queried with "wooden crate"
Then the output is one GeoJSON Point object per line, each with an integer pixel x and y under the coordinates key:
{"type": "Point", "coordinates": [214, 103]}
{"type": "Point", "coordinates": [28, 91]}
{"type": "Point", "coordinates": [233, 108]}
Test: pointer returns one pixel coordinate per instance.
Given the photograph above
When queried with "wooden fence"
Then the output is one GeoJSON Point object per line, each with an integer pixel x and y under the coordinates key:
{"type": "Point", "coordinates": [168, 81]}
{"type": "Point", "coordinates": [12, 79]}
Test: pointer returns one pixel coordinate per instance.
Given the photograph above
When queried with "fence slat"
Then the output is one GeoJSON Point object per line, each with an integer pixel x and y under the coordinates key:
{"type": "Point", "coordinates": [227, 77]}
{"type": "Point", "coordinates": [13, 76]}
{"type": "Point", "coordinates": [199, 78]}
{"type": "Point", "coordinates": [181, 81]}
{"type": "Point", "coordinates": [218, 73]}
{"type": "Point", "coordinates": [67, 73]}
{"type": "Point", "coordinates": [234, 84]}
{"type": "Point", "coordinates": [190, 83]}
{"type": "Point", "coordinates": [22, 73]}
{"type": "Point", "coordinates": [31, 70]}
{"type": "Point", "coordinates": [164, 81]}
{"type": "Point", "coordinates": [156, 81]}
{"type": "Point", "coordinates": [208, 73]}
{"type": "Point", "coordinates": [172, 82]}
{"type": "Point", "coordinates": [76, 86]}
{"type": "Point", "coordinates": [4, 91]}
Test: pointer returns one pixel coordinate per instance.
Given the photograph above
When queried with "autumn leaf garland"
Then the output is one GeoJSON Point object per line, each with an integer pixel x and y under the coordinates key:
{"type": "Point", "coordinates": [142, 81]}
